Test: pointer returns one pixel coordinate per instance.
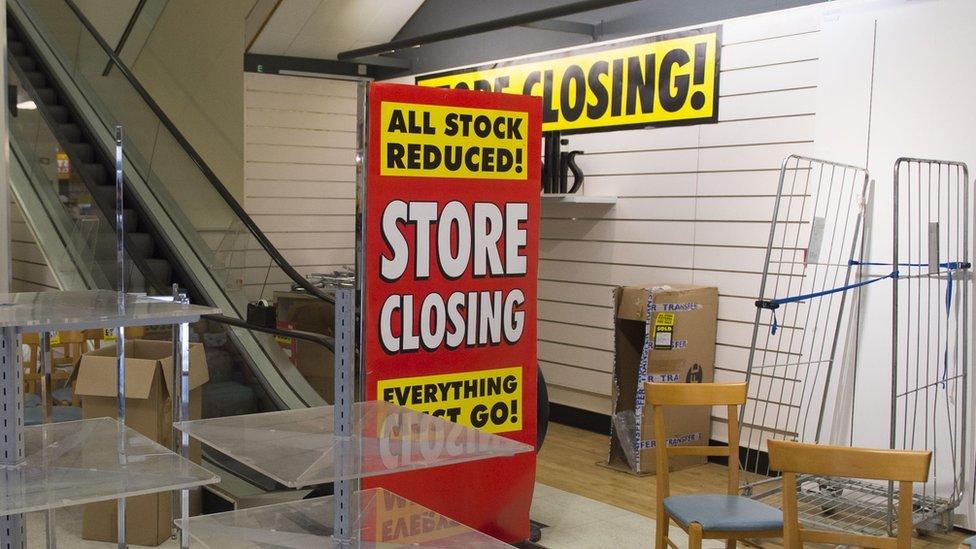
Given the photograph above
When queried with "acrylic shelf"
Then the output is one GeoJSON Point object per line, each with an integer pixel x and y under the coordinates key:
{"type": "Point", "coordinates": [78, 462]}
{"type": "Point", "coordinates": [379, 519]}
{"type": "Point", "coordinates": [299, 448]}
{"type": "Point", "coordinates": [52, 311]}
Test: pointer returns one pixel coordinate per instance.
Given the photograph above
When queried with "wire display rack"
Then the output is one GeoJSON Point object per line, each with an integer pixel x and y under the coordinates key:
{"type": "Point", "coordinates": [814, 246]}
{"type": "Point", "coordinates": [930, 325]}
{"type": "Point", "coordinates": [807, 327]}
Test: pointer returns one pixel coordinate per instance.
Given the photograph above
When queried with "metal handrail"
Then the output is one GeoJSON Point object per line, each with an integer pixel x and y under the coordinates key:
{"type": "Point", "coordinates": [197, 159]}
{"type": "Point", "coordinates": [125, 34]}
{"type": "Point", "coordinates": [311, 337]}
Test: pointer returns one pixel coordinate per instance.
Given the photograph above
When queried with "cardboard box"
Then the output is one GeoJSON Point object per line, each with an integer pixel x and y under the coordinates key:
{"type": "Point", "coordinates": [149, 410]}
{"type": "Point", "coordinates": [662, 333]}
{"type": "Point", "coordinates": [299, 311]}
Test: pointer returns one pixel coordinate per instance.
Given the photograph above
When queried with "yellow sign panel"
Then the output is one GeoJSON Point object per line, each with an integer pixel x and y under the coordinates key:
{"type": "Point", "coordinates": [490, 400]}
{"type": "Point", "coordinates": [658, 80]}
{"type": "Point", "coordinates": [435, 141]}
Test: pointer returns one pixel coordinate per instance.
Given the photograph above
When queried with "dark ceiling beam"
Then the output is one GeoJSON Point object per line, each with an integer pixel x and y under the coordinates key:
{"type": "Point", "coordinates": [485, 26]}
{"type": "Point", "coordinates": [280, 64]}
{"type": "Point", "coordinates": [562, 25]}
{"type": "Point", "coordinates": [383, 61]}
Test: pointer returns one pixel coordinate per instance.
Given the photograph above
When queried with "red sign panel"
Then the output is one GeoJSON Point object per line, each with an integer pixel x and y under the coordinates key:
{"type": "Point", "coordinates": [451, 241]}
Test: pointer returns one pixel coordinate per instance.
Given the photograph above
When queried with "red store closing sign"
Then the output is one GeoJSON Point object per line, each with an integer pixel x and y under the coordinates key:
{"type": "Point", "coordinates": [451, 233]}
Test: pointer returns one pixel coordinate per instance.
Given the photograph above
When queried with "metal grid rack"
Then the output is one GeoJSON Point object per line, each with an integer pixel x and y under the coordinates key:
{"type": "Point", "coordinates": [810, 292]}
{"type": "Point", "coordinates": [930, 325]}
{"type": "Point", "coordinates": [814, 245]}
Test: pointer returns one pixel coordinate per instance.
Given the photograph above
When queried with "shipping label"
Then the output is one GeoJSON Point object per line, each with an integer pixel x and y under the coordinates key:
{"type": "Point", "coordinates": [663, 330]}
{"type": "Point", "coordinates": [676, 440]}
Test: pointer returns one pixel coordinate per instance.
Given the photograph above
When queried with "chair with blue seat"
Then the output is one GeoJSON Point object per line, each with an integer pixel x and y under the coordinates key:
{"type": "Point", "coordinates": [905, 467]}
{"type": "Point", "coordinates": [706, 516]}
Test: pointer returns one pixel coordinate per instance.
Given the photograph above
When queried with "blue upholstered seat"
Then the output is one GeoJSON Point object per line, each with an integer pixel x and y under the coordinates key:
{"type": "Point", "coordinates": [35, 414]}
{"type": "Point", "coordinates": [31, 400]}
{"type": "Point", "coordinates": [970, 542]}
{"type": "Point", "coordinates": [718, 513]}
{"type": "Point", "coordinates": [64, 394]}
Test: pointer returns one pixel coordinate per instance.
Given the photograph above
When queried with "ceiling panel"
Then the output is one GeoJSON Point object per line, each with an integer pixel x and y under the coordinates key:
{"type": "Point", "coordinates": [322, 28]}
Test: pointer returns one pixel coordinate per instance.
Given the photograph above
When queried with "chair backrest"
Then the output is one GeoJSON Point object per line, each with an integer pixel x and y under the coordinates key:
{"type": "Point", "coordinates": [661, 395]}
{"type": "Point", "coordinates": [902, 466]}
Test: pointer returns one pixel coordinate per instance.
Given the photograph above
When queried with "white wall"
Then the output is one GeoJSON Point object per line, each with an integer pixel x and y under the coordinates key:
{"type": "Point", "coordinates": [694, 205]}
{"type": "Point", "coordinates": [300, 170]}
{"type": "Point", "coordinates": [908, 65]}
{"type": "Point", "coordinates": [29, 271]}
{"type": "Point", "coordinates": [200, 92]}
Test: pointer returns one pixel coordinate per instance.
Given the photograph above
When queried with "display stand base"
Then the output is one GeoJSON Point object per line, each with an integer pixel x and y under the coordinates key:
{"type": "Point", "coordinates": [380, 519]}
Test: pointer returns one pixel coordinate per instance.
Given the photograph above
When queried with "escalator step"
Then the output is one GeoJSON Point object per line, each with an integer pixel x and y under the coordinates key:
{"type": "Point", "coordinates": [161, 270]}
{"type": "Point", "coordinates": [138, 246]}
{"type": "Point", "coordinates": [82, 152]}
{"type": "Point", "coordinates": [134, 281]}
{"type": "Point", "coordinates": [97, 172]}
{"type": "Point", "coordinates": [16, 47]}
{"type": "Point", "coordinates": [142, 245]}
{"type": "Point", "coordinates": [36, 79]}
{"type": "Point", "coordinates": [130, 218]}
{"type": "Point", "coordinates": [47, 95]}
{"type": "Point", "coordinates": [71, 132]}
{"type": "Point", "coordinates": [104, 196]}
{"type": "Point", "coordinates": [228, 398]}
{"type": "Point", "coordinates": [59, 113]}
{"type": "Point", "coordinates": [26, 62]}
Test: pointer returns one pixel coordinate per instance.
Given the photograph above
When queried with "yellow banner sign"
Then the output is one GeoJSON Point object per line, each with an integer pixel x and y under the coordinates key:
{"type": "Point", "coordinates": [434, 141]}
{"type": "Point", "coordinates": [653, 81]}
{"type": "Point", "coordinates": [490, 400]}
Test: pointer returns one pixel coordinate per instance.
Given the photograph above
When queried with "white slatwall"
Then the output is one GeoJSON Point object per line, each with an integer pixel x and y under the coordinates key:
{"type": "Point", "coordinates": [694, 205]}
{"type": "Point", "coordinates": [29, 270]}
{"type": "Point", "coordinates": [299, 169]}
{"type": "Point", "coordinates": [694, 201]}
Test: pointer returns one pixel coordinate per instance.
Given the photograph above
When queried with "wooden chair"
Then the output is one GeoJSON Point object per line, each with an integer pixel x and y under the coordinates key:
{"type": "Point", "coordinates": [905, 467]}
{"type": "Point", "coordinates": [706, 516]}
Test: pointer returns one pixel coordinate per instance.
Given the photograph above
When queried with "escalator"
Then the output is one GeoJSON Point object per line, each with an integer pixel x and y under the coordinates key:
{"type": "Point", "coordinates": [182, 226]}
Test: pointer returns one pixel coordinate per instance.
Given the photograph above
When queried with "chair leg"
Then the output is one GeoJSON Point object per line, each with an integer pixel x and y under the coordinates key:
{"type": "Point", "coordinates": [661, 533]}
{"type": "Point", "coordinates": [694, 536]}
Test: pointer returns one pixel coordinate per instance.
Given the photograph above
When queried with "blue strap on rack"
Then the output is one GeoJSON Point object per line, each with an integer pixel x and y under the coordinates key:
{"type": "Point", "coordinates": [950, 267]}
{"type": "Point", "coordinates": [773, 304]}
{"type": "Point", "coordinates": [948, 309]}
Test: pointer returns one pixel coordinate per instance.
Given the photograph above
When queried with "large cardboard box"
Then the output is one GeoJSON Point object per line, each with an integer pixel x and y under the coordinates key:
{"type": "Point", "coordinates": [300, 311]}
{"type": "Point", "coordinates": [148, 410]}
{"type": "Point", "coordinates": [664, 334]}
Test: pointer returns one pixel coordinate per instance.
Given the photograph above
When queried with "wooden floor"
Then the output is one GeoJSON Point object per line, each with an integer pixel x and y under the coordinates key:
{"type": "Point", "coordinates": [568, 461]}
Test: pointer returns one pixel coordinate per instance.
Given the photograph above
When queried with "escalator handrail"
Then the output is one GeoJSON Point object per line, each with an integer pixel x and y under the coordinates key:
{"type": "Point", "coordinates": [198, 160]}
{"type": "Point", "coordinates": [311, 337]}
